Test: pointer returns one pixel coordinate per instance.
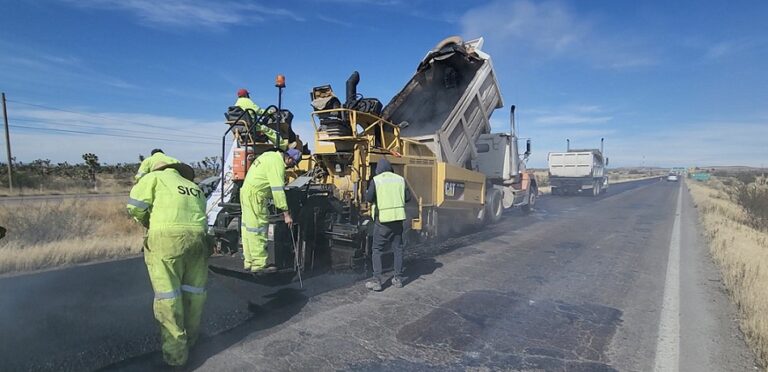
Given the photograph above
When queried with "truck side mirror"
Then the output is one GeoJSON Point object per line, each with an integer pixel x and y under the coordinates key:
{"type": "Point", "coordinates": [527, 147]}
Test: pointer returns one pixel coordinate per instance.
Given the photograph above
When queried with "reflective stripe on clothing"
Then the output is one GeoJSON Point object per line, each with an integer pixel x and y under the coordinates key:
{"type": "Point", "coordinates": [277, 188]}
{"type": "Point", "coordinates": [191, 289]}
{"type": "Point", "coordinates": [138, 203]}
{"type": "Point", "coordinates": [167, 295]}
{"type": "Point", "coordinates": [260, 229]}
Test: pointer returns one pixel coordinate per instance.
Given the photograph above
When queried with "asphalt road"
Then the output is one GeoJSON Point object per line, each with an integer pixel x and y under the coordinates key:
{"type": "Point", "coordinates": [582, 284]}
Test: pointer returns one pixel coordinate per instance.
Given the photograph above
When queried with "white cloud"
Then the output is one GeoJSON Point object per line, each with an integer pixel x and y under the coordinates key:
{"type": "Point", "coordinates": [570, 115]}
{"type": "Point", "coordinates": [192, 13]}
{"type": "Point", "coordinates": [335, 21]}
{"type": "Point", "coordinates": [695, 144]}
{"type": "Point", "coordinates": [113, 136]}
{"type": "Point", "coordinates": [726, 48]}
{"type": "Point", "coordinates": [25, 63]}
{"type": "Point", "coordinates": [366, 2]}
{"type": "Point", "coordinates": [546, 26]}
{"type": "Point", "coordinates": [117, 137]}
{"type": "Point", "coordinates": [571, 119]}
{"type": "Point", "coordinates": [550, 29]}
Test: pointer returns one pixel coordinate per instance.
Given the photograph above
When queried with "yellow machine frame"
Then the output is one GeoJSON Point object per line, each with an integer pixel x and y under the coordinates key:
{"type": "Point", "coordinates": [435, 185]}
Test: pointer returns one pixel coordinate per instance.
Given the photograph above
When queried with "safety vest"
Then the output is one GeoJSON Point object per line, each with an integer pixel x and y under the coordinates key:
{"type": "Point", "coordinates": [390, 197]}
{"type": "Point", "coordinates": [165, 199]}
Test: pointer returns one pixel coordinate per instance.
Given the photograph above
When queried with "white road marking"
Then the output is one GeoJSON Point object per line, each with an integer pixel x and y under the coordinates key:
{"type": "Point", "coordinates": [668, 339]}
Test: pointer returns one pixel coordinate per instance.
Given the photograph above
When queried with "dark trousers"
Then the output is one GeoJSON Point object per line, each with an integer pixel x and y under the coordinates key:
{"type": "Point", "coordinates": [384, 234]}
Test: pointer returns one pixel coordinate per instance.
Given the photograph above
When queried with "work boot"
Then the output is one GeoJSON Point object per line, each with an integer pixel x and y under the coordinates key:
{"type": "Point", "coordinates": [263, 270]}
{"type": "Point", "coordinates": [373, 285]}
{"type": "Point", "coordinates": [397, 282]}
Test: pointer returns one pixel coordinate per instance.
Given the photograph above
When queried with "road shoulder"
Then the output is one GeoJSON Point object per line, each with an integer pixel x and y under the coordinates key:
{"type": "Point", "coordinates": [710, 339]}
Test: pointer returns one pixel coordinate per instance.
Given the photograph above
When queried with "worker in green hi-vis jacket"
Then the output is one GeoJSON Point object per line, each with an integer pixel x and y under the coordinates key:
{"type": "Point", "coordinates": [176, 251]}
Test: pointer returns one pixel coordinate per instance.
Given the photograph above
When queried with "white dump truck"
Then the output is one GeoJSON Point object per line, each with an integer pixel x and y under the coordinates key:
{"type": "Point", "coordinates": [447, 106]}
{"type": "Point", "coordinates": [578, 171]}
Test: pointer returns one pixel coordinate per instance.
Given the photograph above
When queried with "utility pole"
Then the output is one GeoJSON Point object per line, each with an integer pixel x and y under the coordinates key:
{"type": "Point", "coordinates": [8, 146]}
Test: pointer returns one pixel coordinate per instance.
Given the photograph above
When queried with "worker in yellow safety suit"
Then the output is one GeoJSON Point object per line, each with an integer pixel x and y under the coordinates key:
{"type": "Point", "coordinates": [156, 156]}
{"type": "Point", "coordinates": [265, 180]}
{"type": "Point", "coordinates": [176, 251]}
{"type": "Point", "coordinates": [244, 102]}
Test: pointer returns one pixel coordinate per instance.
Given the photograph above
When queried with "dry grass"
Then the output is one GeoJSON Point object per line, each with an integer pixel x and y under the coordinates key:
{"type": "Point", "coordinates": [49, 234]}
{"type": "Point", "coordinates": [741, 251]}
{"type": "Point", "coordinates": [61, 186]}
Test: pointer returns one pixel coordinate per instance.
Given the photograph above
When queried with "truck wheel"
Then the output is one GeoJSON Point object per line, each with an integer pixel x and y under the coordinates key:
{"type": "Point", "coordinates": [532, 194]}
{"type": "Point", "coordinates": [493, 207]}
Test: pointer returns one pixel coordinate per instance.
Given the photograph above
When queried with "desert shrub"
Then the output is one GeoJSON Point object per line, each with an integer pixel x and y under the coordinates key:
{"type": "Point", "coordinates": [754, 200]}
{"type": "Point", "coordinates": [29, 224]}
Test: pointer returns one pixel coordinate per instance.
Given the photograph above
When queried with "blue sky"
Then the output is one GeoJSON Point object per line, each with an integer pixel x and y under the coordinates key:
{"type": "Point", "coordinates": [666, 83]}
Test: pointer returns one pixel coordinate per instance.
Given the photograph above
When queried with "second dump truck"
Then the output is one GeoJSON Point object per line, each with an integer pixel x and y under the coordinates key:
{"type": "Point", "coordinates": [436, 134]}
{"type": "Point", "coordinates": [578, 171]}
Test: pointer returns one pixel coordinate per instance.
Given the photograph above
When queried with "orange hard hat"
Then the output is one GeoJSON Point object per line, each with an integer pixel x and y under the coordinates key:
{"type": "Point", "coordinates": [242, 92]}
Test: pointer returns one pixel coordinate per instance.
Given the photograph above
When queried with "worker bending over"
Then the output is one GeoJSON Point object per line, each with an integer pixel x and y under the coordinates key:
{"type": "Point", "coordinates": [388, 193]}
{"type": "Point", "coordinates": [156, 156]}
{"type": "Point", "coordinates": [265, 180]}
{"type": "Point", "coordinates": [176, 251]}
{"type": "Point", "coordinates": [244, 102]}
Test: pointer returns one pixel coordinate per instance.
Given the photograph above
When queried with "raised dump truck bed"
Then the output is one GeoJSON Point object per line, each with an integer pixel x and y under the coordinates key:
{"type": "Point", "coordinates": [448, 102]}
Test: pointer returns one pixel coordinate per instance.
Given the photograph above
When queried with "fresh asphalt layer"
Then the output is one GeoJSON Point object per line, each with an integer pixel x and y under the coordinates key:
{"type": "Point", "coordinates": [581, 284]}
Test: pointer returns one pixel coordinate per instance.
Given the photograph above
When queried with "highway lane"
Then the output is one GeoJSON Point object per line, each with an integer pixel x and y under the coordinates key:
{"type": "Point", "coordinates": [578, 285]}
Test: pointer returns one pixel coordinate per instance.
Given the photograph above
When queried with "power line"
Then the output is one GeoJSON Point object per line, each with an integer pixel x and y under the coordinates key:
{"type": "Point", "coordinates": [91, 115]}
{"type": "Point", "coordinates": [46, 122]}
{"type": "Point", "coordinates": [108, 135]}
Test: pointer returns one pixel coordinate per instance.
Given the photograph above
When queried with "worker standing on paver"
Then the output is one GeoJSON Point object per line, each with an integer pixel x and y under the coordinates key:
{"type": "Point", "coordinates": [156, 156]}
{"type": "Point", "coordinates": [265, 180]}
{"type": "Point", "coordinates": [388, 193]}
{"type": "Point", "coordinates": [176, 251]}
{"type": "Point", "coordinates": [244, 102]}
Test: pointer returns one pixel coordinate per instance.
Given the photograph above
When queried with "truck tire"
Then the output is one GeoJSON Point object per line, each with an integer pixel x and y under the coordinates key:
{"type": "Point", "coordinates": [532, 195]}
{"type": "Point", "coordinates": [596, 189]}
{"type": "Point", "coordinates": [493, 207]}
